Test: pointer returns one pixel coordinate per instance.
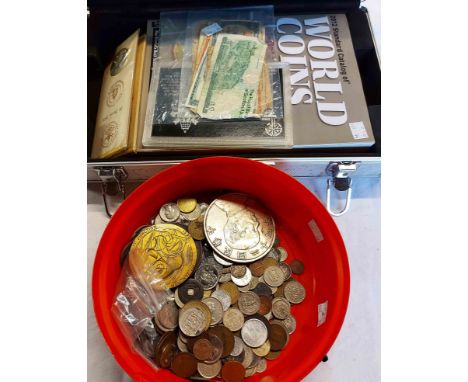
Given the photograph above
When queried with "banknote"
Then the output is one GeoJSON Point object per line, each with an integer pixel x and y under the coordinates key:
{"type": "Point", "coordinates": [232, 78]}
{"type": "Point", "coordinates": [202, 49]}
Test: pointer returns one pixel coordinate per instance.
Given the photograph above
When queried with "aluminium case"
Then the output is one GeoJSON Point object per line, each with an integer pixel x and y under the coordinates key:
{"type": "Point", "coordinates": [109, 22]}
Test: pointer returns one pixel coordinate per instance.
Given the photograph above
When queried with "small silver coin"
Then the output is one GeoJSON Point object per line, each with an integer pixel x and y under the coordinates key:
{"type": "Point", "coordinates": [249, 303]}
{"type": "Point", "coordinates": [281, 308]}
{"type": "Point", "coordinates": [242, 281]}
{"type": "Point", "coordinates": [169, 212]}
{"type": "Point", "coordinates": [254, 333]}
{"type": "Point", "coordinates": [273, 276]}
{"type": "Point", "coordinates": [283, 253]}
{"type": "Point", "coordinates": [221, 261]}
{"type": "Point", "coordinates": [209, 371]}
{"type": "Point", "coordinates": [286, 270]}
{"type": "Point", "coordinates": [262, 365]}
{"type": "Point", "coordinates": [203, 208]}
{"type": "Point", "coordinates": [290, 323]}
{"type": "Point", "coordinates": [207, 275]}
{"type": "Point", "coordinates": [216, 309]}
{"type": "Point", "coordinates": [238, 347]}
{"type": "Point", "coordinates": [181, 345]}
{"type": "Point", "coordinates": [248, 356]}
{"type": "Point", "coordinates": [294, 292]}
{"type": "Point", "coordinates": [250, 371]}
{"type": "Point", "coordinates": [275, 254]}
{"type": "Point", "coordinates": [179, 303]}
{"type": "Point", "coordinates": [192, 321]}
{"type": "Point", "coordinates": [225, 277]}
{"type": "Point", "coordinates": [233, 319]}
{"type": "Point", "coordinates": [253, 283]}
{"type": "Point", "coordinates": [157, 220]}
{"type": "Point", "coordinates": [223, 297]}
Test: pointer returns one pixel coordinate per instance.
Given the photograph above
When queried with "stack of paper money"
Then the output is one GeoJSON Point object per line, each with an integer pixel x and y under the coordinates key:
{"type": "Point", "coordinates": [230, 78]}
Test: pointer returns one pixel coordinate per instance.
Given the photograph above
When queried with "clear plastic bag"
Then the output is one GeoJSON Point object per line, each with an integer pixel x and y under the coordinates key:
{"type": "Point", "coordinates": [216, 82]}
{"type": "Point", "coordinates": [135, 306]}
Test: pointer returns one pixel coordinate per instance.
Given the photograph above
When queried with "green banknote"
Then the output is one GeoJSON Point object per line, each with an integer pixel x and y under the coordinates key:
{"type": "Point", "coordinates": [231, 82]}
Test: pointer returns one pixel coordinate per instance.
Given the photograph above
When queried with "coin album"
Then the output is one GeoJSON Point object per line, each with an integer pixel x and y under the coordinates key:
{"type": "Point", "coordinates": [282, 77]}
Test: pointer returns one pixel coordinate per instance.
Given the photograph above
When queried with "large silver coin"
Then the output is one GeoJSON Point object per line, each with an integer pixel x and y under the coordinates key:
{"type": "Point", "coordinates": [254, 333]}
{"type": "Point", "coordinates": [239, 228]}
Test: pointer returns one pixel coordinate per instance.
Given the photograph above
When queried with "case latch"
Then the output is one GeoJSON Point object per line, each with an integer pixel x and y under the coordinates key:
{"type": "Point", "coordinates": [112, 183]}
{"type": "Point", "coordinates": [340, 179]}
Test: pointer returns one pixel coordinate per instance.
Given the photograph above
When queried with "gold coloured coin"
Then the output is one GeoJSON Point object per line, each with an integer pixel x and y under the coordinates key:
{"type": "Point", "coordinates": [186, 205]}
{"type": "Point", "coordinates": [163, 256]}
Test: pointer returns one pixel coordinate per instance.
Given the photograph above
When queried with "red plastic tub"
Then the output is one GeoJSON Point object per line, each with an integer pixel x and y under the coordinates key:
{"type": "Point", "coordinates": [305, 228]}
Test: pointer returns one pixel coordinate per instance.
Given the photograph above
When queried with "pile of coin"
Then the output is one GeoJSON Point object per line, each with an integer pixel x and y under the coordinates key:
{"type": "Point", "coordinates": [229, 286]}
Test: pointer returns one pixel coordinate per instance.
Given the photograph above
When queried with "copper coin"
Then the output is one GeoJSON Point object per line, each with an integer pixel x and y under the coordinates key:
{"type": "Point", "coordinates": [217, 349]}
{"type": "Point", "coordinates": [265, 305]}
{"type": "Point", "coordinates": [278, 337]}
{"type": "Point", "coordinates": [233, 371]}
{"type": "Point", "coordinates": [184, 365]}
{"type": "Point", "coordinates": [238, 270]}
{"type": "Point", "coordinates": [232, 290]}
{"type": "Point", "coordinates": [190, 290]}
{"type": "Point", "coordinates": [165, 349]}
{"type": "Point", "coordinates": [297, 267]}
{"type": "Point", "coordinates": [202, 349]}
{"type": "Point", "coordinates": [280, 291]}
{"type": "Point", "coordinates": [192, 340]}
{"type": "Point", "coordinates": [226, 336]}
{"type": "Point", "coordinates": [257, 268]}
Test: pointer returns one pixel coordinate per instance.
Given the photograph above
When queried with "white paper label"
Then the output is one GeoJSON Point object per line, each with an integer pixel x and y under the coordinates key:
{"type": "Point", "coordinates": [316, 230]}
{"type": "Point", "coordinates": [211, 29]}
{"type": "Point", "coordinates": [322, 313]}
{"type": "Point", "coordinates": [358, 130]}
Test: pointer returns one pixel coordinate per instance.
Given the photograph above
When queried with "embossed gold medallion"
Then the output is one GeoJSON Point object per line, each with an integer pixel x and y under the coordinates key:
{"type": "Point", "coordinates": [163, 255]}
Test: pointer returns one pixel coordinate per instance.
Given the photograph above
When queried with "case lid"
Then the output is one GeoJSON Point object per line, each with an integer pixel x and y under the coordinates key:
{"type": "Point", "coordinates": [139, 6]}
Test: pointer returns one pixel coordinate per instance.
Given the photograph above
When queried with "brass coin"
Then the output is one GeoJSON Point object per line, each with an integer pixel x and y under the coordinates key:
{"type": "Point", "coordinates": [186, 205]}
{"type": "Point", "coordinates": [184, 365]}
{"type": "Point", "coordinates": [163, 256]}
{"type": "Point", "coordinates": [233, 371]}
{"type": "Point", "coordinates": [269, 262]}
{"type": "Point", "coordinates": [232, 290]}
{"type": "Point", "coordinates": [263, 350]}
{"type": "Point", "coordinates": [297, 267]}
{"type": "Point", "coordinates": [257, 268]}
{"type": "Point", "coordinates": [196, 229]}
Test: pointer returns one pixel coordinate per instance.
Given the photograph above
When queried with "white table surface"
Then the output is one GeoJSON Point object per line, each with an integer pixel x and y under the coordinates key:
{"type": "Point", "coordinates": [355, 356]}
